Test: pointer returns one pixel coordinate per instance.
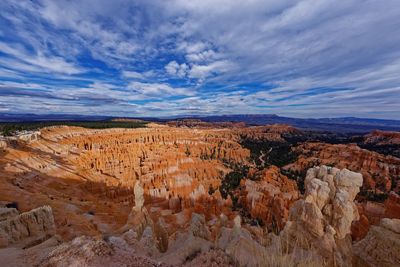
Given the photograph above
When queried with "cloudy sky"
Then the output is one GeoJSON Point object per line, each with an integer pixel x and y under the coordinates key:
{"type": "Point", "coordinates": [304, 58]}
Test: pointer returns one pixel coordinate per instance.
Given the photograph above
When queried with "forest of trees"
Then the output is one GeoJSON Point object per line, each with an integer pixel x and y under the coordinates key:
{"type": "Point", "coordinates": [9, 128]}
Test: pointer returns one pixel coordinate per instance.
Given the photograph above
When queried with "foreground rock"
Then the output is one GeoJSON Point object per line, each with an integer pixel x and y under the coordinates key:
{"type": "Point", "coordinates": [317, 233]}
{"type": "Point", "coordinates": [322, 221]}
{"type": "Point", "coordinates": [88, 251]}
{"type": "Point", "coordinates": [28, 228]}
{"type": "Point", "coordinates": [185, 246]}
{"type": "Point", "coordinates": [7, 213]}
{"type": "Point", "coordinates": [381, 246]}
{"type": "Point", "coordinates": [238, 244]}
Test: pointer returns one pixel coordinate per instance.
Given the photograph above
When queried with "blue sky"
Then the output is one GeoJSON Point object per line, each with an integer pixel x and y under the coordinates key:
{"type": "Point", "coordinates": [304, 58]}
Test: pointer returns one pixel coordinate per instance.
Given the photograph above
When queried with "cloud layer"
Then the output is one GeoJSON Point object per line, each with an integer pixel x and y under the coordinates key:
{"type": "Point", "coordinates": [160, 58]}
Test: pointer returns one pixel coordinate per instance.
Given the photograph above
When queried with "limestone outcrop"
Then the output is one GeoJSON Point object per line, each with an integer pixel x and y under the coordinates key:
{"type": "Point", "coordinates": [27, 228]}
{"type": "Point", "coordinates": [322, 220]}
{"type": "Point", "coordinates": [380, 247]}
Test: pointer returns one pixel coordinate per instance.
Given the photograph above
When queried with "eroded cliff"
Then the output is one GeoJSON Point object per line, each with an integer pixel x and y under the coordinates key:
{"type": "Point", "coordinates": [186, 195]}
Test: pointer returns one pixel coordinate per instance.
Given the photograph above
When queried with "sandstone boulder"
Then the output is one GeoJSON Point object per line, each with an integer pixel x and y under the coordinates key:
{"type": "Point", "coordinates": [28, 228]}
{"type": "Point", "coordinates": [322, 221]}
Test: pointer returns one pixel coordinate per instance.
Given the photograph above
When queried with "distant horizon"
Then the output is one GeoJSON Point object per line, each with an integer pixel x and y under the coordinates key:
{"type": "Point", "coordinates": [303, 59]}
{"type": "Point", "coordinates": [189, 116]}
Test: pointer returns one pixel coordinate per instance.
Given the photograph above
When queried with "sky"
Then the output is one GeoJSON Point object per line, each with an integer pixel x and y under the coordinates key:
{"type": "Point", "coordinates": [304, 58]}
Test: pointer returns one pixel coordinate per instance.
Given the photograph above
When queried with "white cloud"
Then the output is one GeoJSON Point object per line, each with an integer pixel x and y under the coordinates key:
{"type": "Point", "coordinates": [290, 57]}
{"type": "Point", "coordinates": [133, 75]}
{"type": "Point", "coordinates": [203, 71]}
{"type": "Point", "coordinates": [39, 62]}
{"type": "Point", "coordinates": [203, 56]}
{"type": "Point", "coordinates": [175, 69]}
{"type": "Point", "coordinates": [158, 90]}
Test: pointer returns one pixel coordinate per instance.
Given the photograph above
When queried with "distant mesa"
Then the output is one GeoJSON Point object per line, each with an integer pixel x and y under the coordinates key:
{"type": "Point", "coordinates": [340, 125]}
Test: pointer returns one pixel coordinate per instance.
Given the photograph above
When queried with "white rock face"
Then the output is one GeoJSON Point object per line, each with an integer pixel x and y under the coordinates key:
{"type": "Point", "coordinates": [139, 217]}
{"type": "Point", "coordinates": [139, 199]}
{"type": "Point", "coordinates": [28, 227]}
{"type": "Point", "coordinates": [323, 219]}
{"type": "Point", "coordinates": [237, 222]}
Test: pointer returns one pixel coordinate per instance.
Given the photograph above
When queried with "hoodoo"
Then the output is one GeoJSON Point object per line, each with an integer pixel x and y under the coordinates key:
{"type": "Point", "coordinates": [184, 196]}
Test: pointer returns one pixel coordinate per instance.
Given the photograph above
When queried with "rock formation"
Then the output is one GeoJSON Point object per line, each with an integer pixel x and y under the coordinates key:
{"type": "Point", "coordinates": [139, 217]}
{"type": "Point", "coordinates": [198, 227]}
{"type": "Point", "coordinates": [7, 213]}
{"type": "Point", "coordinates": [392, 206]}
{"type": "Point", "coordinates": [269, 197]}
{"type": "Point", "coordinates": [381, 246]}
{"type": "Point", "coordinates": [387, 143]}
{"type": "Point", "coordinates": [274, 132]}
{"type": "Point", "coordinates": [186, 245]}
{"type": "Point", "coordinates": [380, 172]}
{"type": "Point", "coordinates": [239, 244]}
{"type": "Point", "coordinates": [139, 198]}
{"type": "Point", "coordinates": [85, 172]}
{"type": "Point", "coordinates": [371, 213]}
{"type": "Point", "coordinates": [131, 194]}
{"type": "Point", "coordinates": [382, 138]}
{"type": "Point", "coordinates": [3, 144]}
{"type": "Point", "coordinates": [27, 228]}
{"type": "Point", "coordinates": [89, 251]}
{"type": "Point", "coordinates": [322, 220]}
